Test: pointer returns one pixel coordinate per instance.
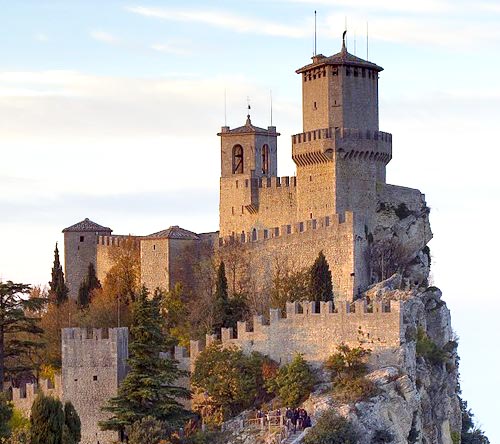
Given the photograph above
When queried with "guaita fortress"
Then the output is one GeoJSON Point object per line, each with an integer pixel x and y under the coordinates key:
{"type": "Point", "coordinates": [338, 203]}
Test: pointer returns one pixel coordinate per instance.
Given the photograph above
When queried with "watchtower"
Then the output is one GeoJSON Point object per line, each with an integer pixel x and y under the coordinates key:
{"type": "Point", "coordinates": [341, 155]}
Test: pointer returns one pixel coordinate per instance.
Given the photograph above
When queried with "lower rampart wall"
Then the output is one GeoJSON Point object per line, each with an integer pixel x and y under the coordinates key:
{"type": "Point", "coordinates": [315, 335]}
{"type": "Point", "coordinates": [24, 396]}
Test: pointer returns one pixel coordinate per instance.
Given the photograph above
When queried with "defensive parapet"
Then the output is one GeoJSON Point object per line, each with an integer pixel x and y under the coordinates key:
{"type": "Point", "coordinates": [23, 396]}
{"type": "Point", "coordinates": [93, 365]}
{"type": "Point", "coordinates": [117, 240]}
{"type": "Point", "coordinates": [320, 145]}
{"type": "Point", "coordinates": [314, 332]}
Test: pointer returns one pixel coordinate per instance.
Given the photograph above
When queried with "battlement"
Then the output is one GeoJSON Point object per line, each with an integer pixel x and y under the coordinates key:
{"type": "Point", "coordinates": [117, 239]}
{"type": "Point", "coordinates": [319, 145]}
{"type": "Point", "coordinates": [24, 396]}
{"type": "Point", "coordinates": [94, 334]}
{"type": "Point", "coordinates": [312, 329]}
{"type": "Point", "coordinates": [262, 234]}
{"type": "Point", "coordinates": [340, 134]}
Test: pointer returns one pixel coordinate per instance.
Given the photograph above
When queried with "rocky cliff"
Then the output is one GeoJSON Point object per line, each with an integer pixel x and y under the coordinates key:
{"type": "Point", "coordinates": [417, 400]}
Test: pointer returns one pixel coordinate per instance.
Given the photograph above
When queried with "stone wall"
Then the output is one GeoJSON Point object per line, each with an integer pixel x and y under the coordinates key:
{"type": "Point", "coordinates": [23, 397]}
{"type": "Point", "coordinates": [93, 365]}
{"type": "Point", "coordinates": [104, 255]}
{"type": "Point", "coordinates": [297, 246]}
{"type": "Point", "coordinates": [313, 334]}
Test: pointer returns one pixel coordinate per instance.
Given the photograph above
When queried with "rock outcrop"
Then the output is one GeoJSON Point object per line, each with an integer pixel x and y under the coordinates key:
{"type": "Point", "coordinates": [417, 400]}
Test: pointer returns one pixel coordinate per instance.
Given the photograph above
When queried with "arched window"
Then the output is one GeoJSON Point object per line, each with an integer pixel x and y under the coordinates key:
{"type": "Point", "coordinates": [237, 159]}
{"type": "Point", "coordinates": [254, 235]}
{"type": "Point", "coordinates": [265, 159]}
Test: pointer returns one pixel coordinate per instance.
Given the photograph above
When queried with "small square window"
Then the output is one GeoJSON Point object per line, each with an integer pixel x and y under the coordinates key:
{"type": "Point", "coordinates": [95, 378]}
{"type": "Point", "coordinates": [76, 380]}
{"type": "Point", "coordinates": [82, 238]}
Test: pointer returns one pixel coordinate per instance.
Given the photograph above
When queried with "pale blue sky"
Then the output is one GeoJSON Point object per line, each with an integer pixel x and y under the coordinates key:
{"type": "Point", "coordinates": [110, 109]}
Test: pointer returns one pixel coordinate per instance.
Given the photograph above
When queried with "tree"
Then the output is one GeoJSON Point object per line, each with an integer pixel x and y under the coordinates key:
{"type": "Point", "coordinates": [47, 420]}
{"type": "Point", "coordinates": [222, 308]}
{"type": "Point", "coordinates": [88, 285]}
{"type": "Point", "coordinates": [320, 283]}
{"type": "Point", "coordinates": [147, 430]}
{"type": "Point", "coordinates": [175, 312]}
{"type": "Point", "coordinates": [6, 412]}
{"type": "Point", "coordinates": [72, 425]}
{"type": "Point", "coordinates": [332, 429]}
{"type": "Point", "coordinates": [18, 328]}
{"type": "Point", "coordinates": [149, 388]}
{"type": "Point", "coordinates": [289, 283]}
{"type": "Point", "coordinates": [470, 434]}
{"type": "Point", "coordinates": [294, 382]}
{"type": "Point", "coordinates": [229, 380]}
{"type": "Point", "coordinates": [124, 276]}
{"type": "Point", "coordinates": [58, 289]}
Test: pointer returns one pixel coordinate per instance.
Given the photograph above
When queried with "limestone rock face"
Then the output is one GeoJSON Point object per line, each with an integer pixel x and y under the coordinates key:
{"type": "Point", "coordinates": [417, 400]}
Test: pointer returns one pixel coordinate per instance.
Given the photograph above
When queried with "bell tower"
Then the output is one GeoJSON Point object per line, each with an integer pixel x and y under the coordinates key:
{"type": "Point", "coordinates": [248, 155]}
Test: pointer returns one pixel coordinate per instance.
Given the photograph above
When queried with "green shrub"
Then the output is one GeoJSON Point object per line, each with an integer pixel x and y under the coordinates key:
{"type": "Point", "coordinates": [229, 380]}
{"type": "Point", "coordinates": [332, 429]}
{"type": "Point", "coordinates": [349, 390]}
{"type": "Point", "coordinates": [428, 350]}
{"type": "Point", "coordinates": [148, 430]}
{"type": "Point", "coordinates": [293, 383]}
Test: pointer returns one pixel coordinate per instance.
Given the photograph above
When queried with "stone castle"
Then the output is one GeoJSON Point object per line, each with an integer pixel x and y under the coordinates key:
{"type": "Point", "coordinates": [338, 203]}
{"type": "Point", "coordinates": [333, 204]}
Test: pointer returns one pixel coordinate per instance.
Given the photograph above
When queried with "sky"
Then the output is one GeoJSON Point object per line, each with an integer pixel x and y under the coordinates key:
{"type": "Point", "coordinates": [109, 110]}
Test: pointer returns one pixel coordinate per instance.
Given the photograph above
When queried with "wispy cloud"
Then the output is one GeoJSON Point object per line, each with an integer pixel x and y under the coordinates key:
{"type": "Point", "coordinates": [104, 36]}
{"type": "Point", "coordinates": [421, 6]}
{"type": "Point", "coordinates": [222, 19]}
{"type": "Point", "coordinates": [170, 48]}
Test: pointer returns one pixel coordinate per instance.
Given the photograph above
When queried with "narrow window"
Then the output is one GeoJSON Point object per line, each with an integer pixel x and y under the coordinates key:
{"type": "Point", "coordinates": [82, 238]}
{"type": "Point", "coordinates": [315, 106]}
{"type": "Point", "coordinates": [266, 234]}
{"type": "Point", "coordinates": [154, 247]}
{"type": "Point", "coordinates": [301, 226]}
{"type": "Point", "coordinates": [276, 232]}
{"type": "Point", "coordinates": [265, 159]}
{"type": "Point", "coordinates": [254, 234]}
{"type": "Point", "coordinates": [288, 229]}
{"type": "Point", "coordinates": [237, 159]}
{"type": "Point", "coordinates": [232, 211]}
{"type": "Point", "coordinates": [95, 378]}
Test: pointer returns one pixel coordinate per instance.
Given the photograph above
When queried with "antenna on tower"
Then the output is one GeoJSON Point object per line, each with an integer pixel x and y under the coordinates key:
{"type": "Point", "coordinates": [315, 33]}
{"type": "Point", "coordinates": [225, 107]}
{"type": "Point", "coordinates": [271, 100]}
{"type": "Point", "coordinates": [248, 107]}
{"type": "Point", "coordinates": [366, 40]}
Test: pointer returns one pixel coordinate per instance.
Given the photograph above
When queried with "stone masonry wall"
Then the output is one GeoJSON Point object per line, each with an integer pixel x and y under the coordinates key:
{"type": "Point", "coordinates": [313, 334]}
{"type": "Point", "coordinates": [93, 365]}
{"type": "Point", "coordinates": [299, 244]}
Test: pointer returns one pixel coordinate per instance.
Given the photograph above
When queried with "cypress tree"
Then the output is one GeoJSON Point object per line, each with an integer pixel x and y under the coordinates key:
{"type": "Point", "coordinates": [47, 420]}
{"type": "Point", "coordinates": [58, 289]}
{"type": "Point", "coordinates": [222, 306]}
{"type": "Point", "coordinates": [149, 388]}
{"type": "Point", "coordinates": [320, 280]}
{"type": "Point", "coordinates": [89, 284]}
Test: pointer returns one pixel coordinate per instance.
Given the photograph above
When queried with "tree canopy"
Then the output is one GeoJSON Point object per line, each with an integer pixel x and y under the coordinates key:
{"type": "Point", "coordinates": [149, 389]}
{"type": "Point", "coordinates": [58, 290]}
{"type": "Point", "coordinates": [320, 283]}
{"type": "Point", "coordinates": [19, 329]}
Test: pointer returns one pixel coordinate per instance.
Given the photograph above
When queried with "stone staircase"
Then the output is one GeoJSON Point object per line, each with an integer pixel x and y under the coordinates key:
{"type": "Point", "coordinates": [292, 438]}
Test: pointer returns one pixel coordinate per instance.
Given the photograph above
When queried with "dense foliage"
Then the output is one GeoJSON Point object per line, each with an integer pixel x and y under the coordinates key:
{"type": "Point", "coordinates": [228, 381]}
{"type": "Point", "coordinates": [147, 430]}
{"type": "Point", "coordinates": [293, 382]}
{"type": "Point", "coordinates": [332, 429]}
{"type": "Point", "coordinates": [19, 328]}
{"type": "Point", "coordinates": [47, 420]}
{"type": "Point", "coordinates": [149, 388]}
{"type": "Point", "coordinates": [6, 413]}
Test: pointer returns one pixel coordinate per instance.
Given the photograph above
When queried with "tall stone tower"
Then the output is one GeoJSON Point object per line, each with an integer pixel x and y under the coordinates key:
{"type": "Point", "coordinates": [94, 362]}
{"type": "Point", "coordinates": [80, 249]}
{"type": "Point", "coordinates": [341, 154]}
